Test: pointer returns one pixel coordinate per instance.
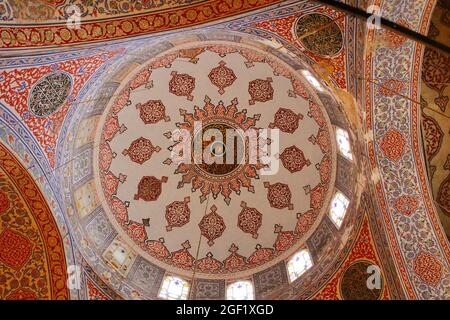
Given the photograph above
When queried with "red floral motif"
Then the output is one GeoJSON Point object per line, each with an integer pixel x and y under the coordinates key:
{"type": "Point", "coordinates": [209, 183]}
{"type": "Point", "coordinates": [322, 140]}
{"type": "Point", "coordinates": [315, 113]}
{"type": "Point", "coordinates": [177, 214]}
{"type": "Point", "coordinates": [286, 120]}
{"type": "Point", "coordinates": [393, 145]}
{"type": "Point", "coordinates": [443, 196]}
{"type": "Point", "coordinates": [234, 262]}
{"type": "Point", "coordinates": [222, 77]}
{"type": "Point", "coordinates": [15, 249]}
{"type": "Point", "coordinates": [208, 264]}
{"type": "Point", "coordinates": [212, 226]}
{"type": "Point", "coordinates": [281, 26]}
{"type": "Point", "coordinates": [53, 3]}
{"type": "Point", "coordinates": [123, 99]}
{"type": "Point", "coordinates": [293, 159]}
{"type": "Point", "coordinates": [406, 205]}
{"type": "Point", "coordinates": [252, 56]}
{"type": "Point", "coordinates": [182, 258]}
{"type": "Point", "coordinates": [4, 202]}
{"type": "Point", "coordinates": [141, 150]}
{"type": "Point", "coordinates": [111, 182]}
{"type": "Point", "coordinates": [442, 102]}
{"type": "Point", "coordinates": [222, 50]}
{"type": "Point", "coordinates": [164, 61]}
{"type": "Point", "coordinates": [325, 170]}
{"type": "Point", "coordinates": [285, 239]}
{"type": "Point", "coordinates": [392, 87]}
{"type": "Point", "coordinates": [106, 156]}
{"type": "Point", "coordinates": [284, 28]}
{"type": "Point", "coordinates": [279, 195]}
{"type": "Point", "coordinates": [433, 135]}
{"type": "Point", "coordinates": [22, 294]}
{"type": "Point", "coordinates": [149, 188]}
{"type": "Point", "coordinates": [428, 268]}
{"type": "Point", "coordinates": [16, 85]}
{"type": "Point", "coordinates": [371, 153]}
{"type": "Point", "coordinates": [93, 292]}
{"type": "Point", "coordinates": [152, 112]}
{"type": "Point", "coordinates": [140, 79]}
{"type": "Point", "coordinates": [395, 39]}
{"type": "Point", "coordinates": [31, 246]}
{"type": "Point", "coordinates": [182, 85]}
{"type": "Point", "coordinates": [249, 220]}
{"type": "Point", "coordinates": [260, 255]}
{"type": "Point", "coordinates": [192, 54]}
{"type": "Point", "coordinates": [136, 231]}
{"type": "Point", "coordinates": [260, 90]}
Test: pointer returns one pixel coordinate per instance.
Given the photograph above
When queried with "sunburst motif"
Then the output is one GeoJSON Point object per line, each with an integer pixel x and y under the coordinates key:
{"type": "Point", "coordinates": [218, 179]}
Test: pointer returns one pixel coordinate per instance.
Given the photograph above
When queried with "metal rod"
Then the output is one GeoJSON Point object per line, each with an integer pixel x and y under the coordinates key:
{"type": "Point", "coordinates": [438, 112]}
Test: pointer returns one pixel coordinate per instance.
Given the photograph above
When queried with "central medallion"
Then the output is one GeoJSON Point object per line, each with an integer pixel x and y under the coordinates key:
{"type": "Point", "coordinates": [219, 165]}
{"type": "Point", "coordinates": [225, 149]}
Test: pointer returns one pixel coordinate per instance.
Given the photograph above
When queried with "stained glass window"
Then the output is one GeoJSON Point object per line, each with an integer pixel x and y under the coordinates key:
{"type": "Point", "coordinates": [298, 264]}
{"type": "Point", "coordinates": [174, 288]}
{"type": "Point", "coordinates": [240, 290]}
{"type": "Point", "coordinates": [344, 143]}
{"type": "Point", "coordinates": [338, 208]}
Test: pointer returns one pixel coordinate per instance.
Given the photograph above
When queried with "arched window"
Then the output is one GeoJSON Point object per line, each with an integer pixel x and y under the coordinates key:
{"type": "Point", "coordinates": [174, 288]}
{"type": "Point", "coordinates": [240, 290]}
{"type": "Point", "coordinates": [298, 264]}
{"type": "Point", "coordinates": [344, 143]}
{"type": "Point", "coordinates": [338, 208]}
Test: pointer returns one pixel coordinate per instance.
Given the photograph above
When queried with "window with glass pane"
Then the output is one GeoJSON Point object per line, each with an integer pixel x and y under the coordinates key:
{"type": "Point", "coordinates": [344, 143]}
{"type": "Point", "coordinates": [241, 290]}
{"type": "Point", "coordinates": [298, 264]}
{"type": "Point", "coordinates": [338, 208]}
{"type": "Point", "coordinates": [174, 288]}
